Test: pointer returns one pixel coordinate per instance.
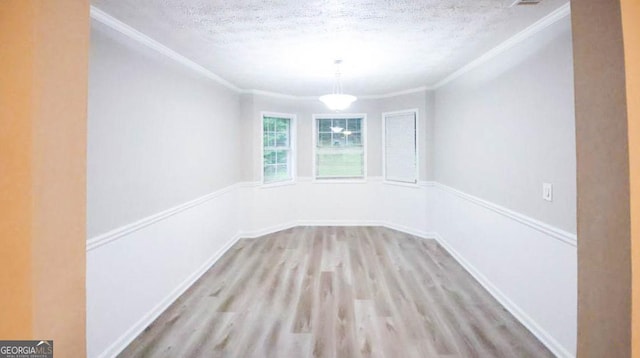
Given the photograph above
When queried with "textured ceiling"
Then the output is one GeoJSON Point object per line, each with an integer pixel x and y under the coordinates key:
{"type": "Point", "coordinates": [288, 46]}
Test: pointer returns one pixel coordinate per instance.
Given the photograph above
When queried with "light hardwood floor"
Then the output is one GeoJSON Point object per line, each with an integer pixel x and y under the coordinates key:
{"type": "Point", "coordinates": [336, 292]}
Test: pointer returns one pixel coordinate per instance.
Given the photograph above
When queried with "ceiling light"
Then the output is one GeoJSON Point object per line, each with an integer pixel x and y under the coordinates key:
{"type": "Point", "coordinates": [336, 129]}
{"type": "Point", "coordinates": [337, 101]}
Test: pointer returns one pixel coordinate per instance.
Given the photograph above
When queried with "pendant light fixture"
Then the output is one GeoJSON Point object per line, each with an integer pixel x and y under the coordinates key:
{"type": "Point", "coordinates": [337, 101]}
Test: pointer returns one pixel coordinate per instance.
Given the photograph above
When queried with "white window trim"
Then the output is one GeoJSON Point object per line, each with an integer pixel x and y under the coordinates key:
{"type": "Point", "coordinates": [292, 145]}
{"type": "Point", "coordinates": [365, 139]}
{"type": "Point", "coordinates": [384, 148]}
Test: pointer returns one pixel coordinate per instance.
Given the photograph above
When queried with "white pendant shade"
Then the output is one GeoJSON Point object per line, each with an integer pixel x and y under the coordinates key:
{"type": "Point", "coordinates": [337, 102]}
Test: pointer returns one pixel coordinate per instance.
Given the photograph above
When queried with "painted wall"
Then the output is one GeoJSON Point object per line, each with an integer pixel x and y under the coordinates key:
{"type": "Point", "coordinates": [163, 158]}
{"type": "Point", "coordinates": [305, 108]}
{"type": "Point", "coordinates": [16, 41]}
{"type": "Point", "coordinates": [506, 127]}
{"type": "Point", "coordinates": [160, 134]}
{"type": "Point", "coordinates": [630, 11]}
{"type": "Point", "coordinates": [501, 130]}
{"type": "Point", "coordinates": [43, 98]}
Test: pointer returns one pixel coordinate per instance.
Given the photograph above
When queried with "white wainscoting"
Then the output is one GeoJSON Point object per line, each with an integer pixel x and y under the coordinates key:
{"type": "Point", "coordinates": [308, 202]}
{"type": "Point", "coordinates": [134, 273]}
{"type": "Point", "coordinates": [530, 267]}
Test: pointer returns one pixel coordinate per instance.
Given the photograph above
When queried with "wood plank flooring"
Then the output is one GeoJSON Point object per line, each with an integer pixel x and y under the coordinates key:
{"type": "Point", "coordinates": [336, 292]}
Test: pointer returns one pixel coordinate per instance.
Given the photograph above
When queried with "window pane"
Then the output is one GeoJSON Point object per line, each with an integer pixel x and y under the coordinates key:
{"type": "Point", "coordinates": [269, 157]}
{"type": "Point", "coordinates": [281, 157]}
{"type": "Point", "coordinates": [338, 140]}
{"type": "Point", "coordinates": [282, 139]}
{"type": "Point", "coordinates": [269, 173]}
{"type": "Point", "coordinates": [270, 124]}
{"type": "Point", "coordinates": [281, 172]}
{"type": "Point", "coordinates": [342, 165]}
{"type": "Point", "coordinates": [353, 125]}
{"type": "Point", "coordinates": [282, 125]}
{"type": "Point", "coordinates": [324, 140]}
{"type": "Point", "coordinates": [342, 123]}
{"type": "Point", "coordinates": [276, 133]}
{"type": "Point", "coordinates": [269, 139]}
{"type": "Point", "coordinates": [339, 154]}
{"type": "Point", "coordinates": [324, 125]}
{"type": "Point", "coordinates": [354, 139]}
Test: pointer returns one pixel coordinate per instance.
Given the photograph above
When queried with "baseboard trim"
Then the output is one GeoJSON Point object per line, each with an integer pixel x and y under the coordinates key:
{"type": "Point", "coordinates": [125, 230]}
{"type": "Point", "coordinates": [126, 338]}
{"type": "Point", "coordinates": [561, 235]}
{"type": "Point", "coordinates": [408, 230]}
{"type": "Point", "coordinates": [130, 334]}
{"type": "Point", "coordinates": [551, 343]}
{"type": "Point", "coordinates": [338, 223]}
{"type": "Point", "coordinates": [252, 234]}
{"type": "Point", "coordinates": [121, 343]}
{"type": "Point", "coordinates": [273, 229]}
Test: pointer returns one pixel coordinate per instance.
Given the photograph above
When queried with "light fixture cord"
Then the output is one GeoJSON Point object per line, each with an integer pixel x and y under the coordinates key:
{"type": "Point", "coordinates": [337, 87]}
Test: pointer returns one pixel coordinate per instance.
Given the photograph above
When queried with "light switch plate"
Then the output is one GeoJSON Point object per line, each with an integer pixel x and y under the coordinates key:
{"type": "Point", "coordinates": [547, 191]}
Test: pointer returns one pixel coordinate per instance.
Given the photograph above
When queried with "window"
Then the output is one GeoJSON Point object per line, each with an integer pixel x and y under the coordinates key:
{"type": "Point", "coordinates": [400, 146]}
{"type": "Point", "coordinates": [277, 147]}
{"type": "Point", "coordinates": [339, 146]}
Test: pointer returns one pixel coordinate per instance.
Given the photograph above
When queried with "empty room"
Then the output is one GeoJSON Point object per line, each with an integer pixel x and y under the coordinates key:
{"type": "Point", "coordinates": [327, 178]}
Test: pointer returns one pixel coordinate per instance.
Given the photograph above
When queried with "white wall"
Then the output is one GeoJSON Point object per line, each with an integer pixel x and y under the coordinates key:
{"type": "Point", "coordinates": [152, 124]}
{"type": "Point", "coordinates": [134, 277]}
{"type": "Point", "coordinates": [501, 130]}
{"type": "Point", "coordinates": [269, 209]}
{"type": "Point", "coordinates": [506, 127]}
{"type": "Point", "coordinates": [530, 267]}
{"type": "Point", "coordinates": [162, 147]}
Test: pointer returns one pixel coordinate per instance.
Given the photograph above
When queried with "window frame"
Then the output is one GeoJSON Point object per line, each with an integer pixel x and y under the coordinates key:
{"type": "Point", "coordinates": [363, 138]}
{"type": "Point", "coordinates": [292, 148]}
{"type": "Point", "coordinates": [417, 147]}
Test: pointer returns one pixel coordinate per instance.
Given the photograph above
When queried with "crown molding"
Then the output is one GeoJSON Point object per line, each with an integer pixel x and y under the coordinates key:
{"type": "Point", "coordinates": [277, 94]}
{"type": "Point", "coordinates": [370, 96]}
{"type": "Point", "coordinates": [398, 93]}
{"type": "Point", "coordinates": [115, 24]}
{"type": "Point", "coordinates": [555, 16]}
{"type": "Point", "coordinates": [135, 35]}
